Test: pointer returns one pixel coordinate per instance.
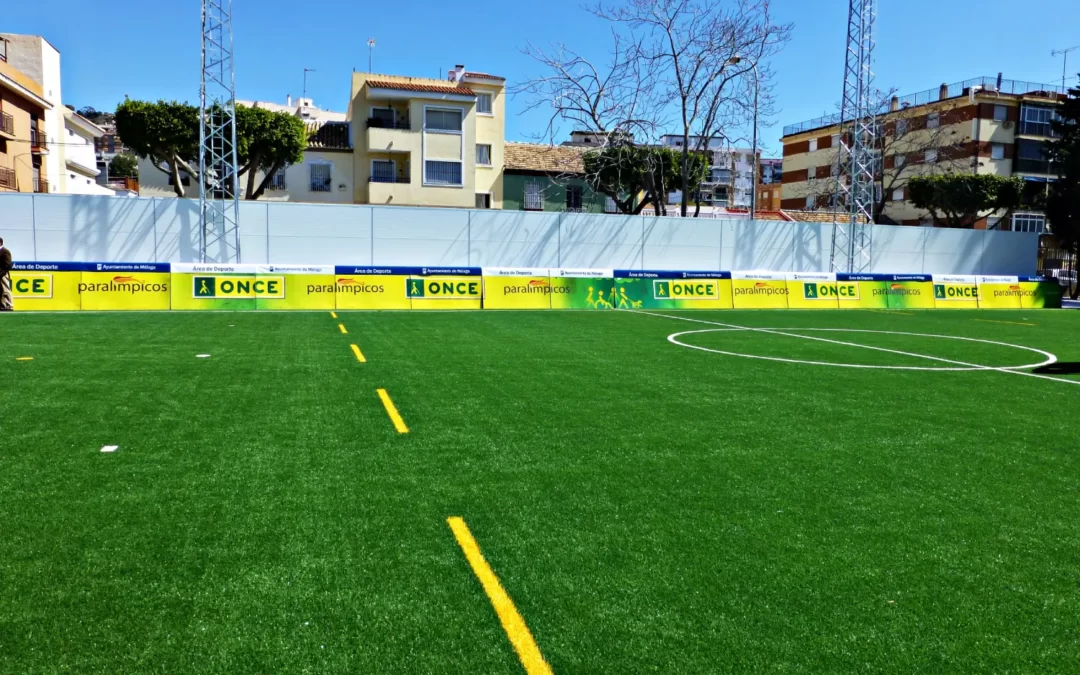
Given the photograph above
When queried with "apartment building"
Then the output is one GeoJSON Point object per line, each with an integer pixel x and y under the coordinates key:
{"type": "Point", "coordinates": [983, 125]}
{"type": "Point", "coordinates": [769, 185]}
{"type": "Point", "coordinates": [23, 141]}
{"type": "Point", "coordinates": [61, 144]}
{"type": "Point", "coordinates": [429, 142]}
{"type": "Point", "coordinates": [549, 178]}
{"type": "Point", "coordinates": [730, 182]}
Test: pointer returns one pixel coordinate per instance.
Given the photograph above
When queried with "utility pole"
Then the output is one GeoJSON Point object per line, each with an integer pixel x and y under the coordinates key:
{"type": "Point", "coordinates": [306, 71]}
{"type": "Point", "coordinates": [1064, 54]}
{"type": "Point", "coordinates": [370, 48]}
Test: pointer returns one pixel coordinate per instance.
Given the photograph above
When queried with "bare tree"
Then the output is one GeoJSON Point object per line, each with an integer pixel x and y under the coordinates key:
{"type": "Point", "coordinates": [701, 51]}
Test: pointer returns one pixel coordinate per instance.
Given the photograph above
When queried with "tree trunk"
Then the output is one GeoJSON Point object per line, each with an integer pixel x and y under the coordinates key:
{"type": "Point", "coordinates": [685, 175]}
{"type": "Point", "coordinates": [178, 185]}
{"type": "Point", "coordinates": [251, 181]}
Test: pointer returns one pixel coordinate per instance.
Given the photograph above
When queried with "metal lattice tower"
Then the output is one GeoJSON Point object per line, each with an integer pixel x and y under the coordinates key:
{"type": "Point", "coordinates": [853, 192]}
{"type": "Point", "coordinates": [219, 206]}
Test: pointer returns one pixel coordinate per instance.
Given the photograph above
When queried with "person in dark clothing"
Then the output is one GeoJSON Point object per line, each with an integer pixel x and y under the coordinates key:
{"type": "Point", "coordinates": [6, 304]}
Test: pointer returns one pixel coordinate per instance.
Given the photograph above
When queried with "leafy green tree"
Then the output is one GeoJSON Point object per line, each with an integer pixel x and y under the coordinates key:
{"type": "Point", "coordinates": [124, 165]}
{"type": "Point", "coordinates": [1063, 202]}
{"type": "Point", "coordinates": [167, 133]}
{"type": "Point", "coordinates": [960, 200]}
{"type": "Point", "coordinates": [266, 143]}
{"type": "Point", "coordinates": [624, 172]}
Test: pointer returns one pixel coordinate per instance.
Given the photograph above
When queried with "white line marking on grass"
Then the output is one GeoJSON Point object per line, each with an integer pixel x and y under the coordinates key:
{"type": "Point", "coordinates": [202, 356]}
{"type": "Point", "coordinates": [24, 358]}
{"type": "Point", "coordinates": [109, 448]}
{"type": "Point", "coordinates": [1050, 358]}
{"type": "Point", "coordinates": [972, 366]}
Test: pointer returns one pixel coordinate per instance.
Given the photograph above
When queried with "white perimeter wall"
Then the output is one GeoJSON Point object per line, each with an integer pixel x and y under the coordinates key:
{"type": "Point", "coordinates": [113, 229]}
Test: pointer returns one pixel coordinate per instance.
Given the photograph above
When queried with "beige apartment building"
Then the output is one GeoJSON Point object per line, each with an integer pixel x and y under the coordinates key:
{"type": "Point", "coordinates": [429, 142]}
{"type": "Point", "coordinates": [23, 139]}
{"type": "Point", "coordinates": [985, 126]}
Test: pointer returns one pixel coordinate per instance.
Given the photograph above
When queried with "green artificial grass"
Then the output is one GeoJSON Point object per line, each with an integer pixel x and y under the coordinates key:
{"type": "Point", "coordinates": [648, 507]}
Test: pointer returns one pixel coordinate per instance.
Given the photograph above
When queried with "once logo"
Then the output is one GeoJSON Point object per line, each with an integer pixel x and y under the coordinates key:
{"type": "Point", "coordinates": [686, 290]}
{"type": "Point", "coordinates": [442, 289]}
{"type": "Point", "coordinates": [238, 288]}
{"type": "Point", "coordinates": [38, 286]}
{"type": "Point", "coordinates": [955, 292]}
{"type": "Point", "coordinates": [815, 291]}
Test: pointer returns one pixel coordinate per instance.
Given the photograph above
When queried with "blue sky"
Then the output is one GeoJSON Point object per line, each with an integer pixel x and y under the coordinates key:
{"type": "Point", "coordinates": [150, 55]}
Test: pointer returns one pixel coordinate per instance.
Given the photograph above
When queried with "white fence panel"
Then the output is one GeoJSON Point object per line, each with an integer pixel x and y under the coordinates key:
{"type": "Point", "coordinates": [419, 236]}
{"type": "Point", "coordinates": [601, 241]}
{"type": "Point", "coordinates": [17, 226]}
{"type": "Point", "coordinates": [514, 239]}
{"type": "Point", "coordinates": [327, 234]}
{"type": "Point", "coordinates": [757, 245]}
{"type": "Point", "coordinates": [681, 243]}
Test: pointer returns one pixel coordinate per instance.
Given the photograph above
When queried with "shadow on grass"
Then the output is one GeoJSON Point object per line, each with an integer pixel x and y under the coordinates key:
{"type": "Point", "coordinates": [1063, 368]}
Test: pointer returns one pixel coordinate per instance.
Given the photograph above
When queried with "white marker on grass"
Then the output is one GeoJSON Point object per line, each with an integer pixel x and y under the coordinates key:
{"type": "Point", "coordinates": [109, 448]}
{"type": "Point", "coordinates": [202, 356]}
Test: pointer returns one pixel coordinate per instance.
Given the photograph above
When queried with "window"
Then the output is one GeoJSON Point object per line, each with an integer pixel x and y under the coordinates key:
{"type": "Point", "coordinates": [997, 151]}
{"type": "Point", "coordinates": [1035, 121]}
{"type": "Point", "coordinates": [609, 205]}
{"type": "Point", "coordinates": [277, 181]}
{"type": "Point", "coordinates": [1030, 157]}
{"type": "Point", "coordinates": [483, 104]}
{"type": "Point", "coordinates": [483, 154]}
{"type": "Point", "coordinates": [534, 197]}
{"type": "Point", "coordinates": [933, 120]}
{"type": "Point", "coordinates": [1001, 113]}
{"type": "Point", "coordinates": [383, 117]}
{"type": "Point", "coordinates": [901, 127]}
{"type": "Point", "coordinates": [446, 121]}
{"type": "Point", "coordinates": [442, 173]}
{"type": "Point", "coordinates": [898, 195]}
{"type": "Point", "coordinates": [813, 144]}
{"type": "Point", "coordinates": [320, 177]}
{"type": "Point", "coordinates": [573, 198]}
{"type": "Point", "coordinates": [836, 140]}
{"type": "Point", "coordinates": [483, 200]}
{"type": "Point", "coordinates": [1029, 222]}
{"type": "Point", "coordinates": [383, 171]}
{"type": "Point", "coordinates": [899, 161]}
{"type": "Point", "coordinates": [810, 201]}
{"type": "Point", "coordinates": [931, 156]}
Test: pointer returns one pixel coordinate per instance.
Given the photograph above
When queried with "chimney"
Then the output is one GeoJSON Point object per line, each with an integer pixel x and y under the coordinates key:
{"type": "Point", "coordinates": [288, 100]}
{"type": "Point", "coordinates": [894, 105]}
{"type": "Point", "coordinates": [457, 73]}
{"type": "Point", "coordinates": [943, 93]}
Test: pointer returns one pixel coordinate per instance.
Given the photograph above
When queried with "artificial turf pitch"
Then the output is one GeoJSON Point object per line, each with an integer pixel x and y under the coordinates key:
{"type": "Point", "coordinates": [647, 507]}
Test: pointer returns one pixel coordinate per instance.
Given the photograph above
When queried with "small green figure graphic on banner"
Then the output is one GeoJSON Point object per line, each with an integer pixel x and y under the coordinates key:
{"type": "Point", "coordinates": [204, 287]}
{"type": "Point", "coordinates": [810, 291]}
{"type": "Point", "coordinates": [416, 288]}
{"type": "Point", "coordinates": [589, 298]}
{"type": "Point", "coordinates": [663, 289]}
{"type": "Point", "coordinates": [601, 302]}
{"type": "Point", "coordinates": [939, 291]}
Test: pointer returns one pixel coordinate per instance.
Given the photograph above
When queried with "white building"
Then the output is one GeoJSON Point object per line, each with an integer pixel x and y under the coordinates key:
{"type": "Point", "coordinates": [68, 163]}
{"type": "Point", "coordinates": [730, 182]}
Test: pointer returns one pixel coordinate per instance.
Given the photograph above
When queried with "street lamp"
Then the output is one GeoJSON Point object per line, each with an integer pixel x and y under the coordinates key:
{"type": "Point", "coordinates": [736, 60]}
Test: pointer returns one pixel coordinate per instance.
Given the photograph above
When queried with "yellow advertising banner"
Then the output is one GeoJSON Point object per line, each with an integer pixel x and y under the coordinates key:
{"type": "Point", "coordinates": [371, 287]}
{"type": "Point", "coordinates": [862, 291]}
{"type": "Point", "coordinates": [522, 288]}
{"type": "Point", "coordinates": [125, 286]}
{"type": "Point", "coordinates": [217, 286]}
{"type": "Point", "coordinates": [808, 290]}
{"type": "Point", "coordinates": [956, 291]}
{"type": "Point", "coordinates": [302, 287]}
{"type": "Point", "coordinates": [46, 286]}
{"type": "Point", "coordinates": [759, 290]}
{"type": "Point", "coordinates": [446, 288]}
{"type": "Point", "coordinates": [999, 292]}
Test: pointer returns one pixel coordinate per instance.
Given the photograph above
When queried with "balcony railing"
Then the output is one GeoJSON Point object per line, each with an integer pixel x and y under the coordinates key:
{"type": "Point", "coordinates": [7, 124]}
{"type": "Point", "coordinates": [1032, 166]}
{"type": "Point", "coordinates": [388, 178]}
{"type": "Point", "coordinates": [380, 123]}
{"type": "Point", "coordinates": [7, 178]}
{"type": "Point", "coordinates": [38, 140]}
{"type": "Point", "coordinates": [41, 185]}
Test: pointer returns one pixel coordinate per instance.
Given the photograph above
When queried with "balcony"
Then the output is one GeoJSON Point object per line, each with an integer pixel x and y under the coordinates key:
{"type": "Point", "coordinates": [1040, 166]}
{"type": "Point", "coordinates": [387, 178]}
{"type": "Point", "coordinates": [382, 123]}
{"type": "Point", "coordinates": [7, 178]}
{"type": "Point", "coordinates": [39, 142]}
{"type": "Point", "coordinates": [7, 125]}
{"type": "Point", "coordinates": [41, 185]}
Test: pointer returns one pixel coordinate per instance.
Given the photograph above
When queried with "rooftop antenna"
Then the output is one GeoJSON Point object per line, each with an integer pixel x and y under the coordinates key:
{"type": "Point", "coordinates": [306, 71]}
{"type": "Point", "coordinates": [1064, 54]}
{"type": "Point", "coordinates": [370, 48]}
{"type": "Point", "coordinates": [219, 206]}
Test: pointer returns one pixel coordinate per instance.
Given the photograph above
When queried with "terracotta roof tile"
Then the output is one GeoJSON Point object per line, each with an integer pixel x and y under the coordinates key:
{"type": "Point", "coordinates": [545, 158]}
{"type": "Point", "coordinates": [427, 88]}
{"type": "Point", "coordinates": [484, 76]}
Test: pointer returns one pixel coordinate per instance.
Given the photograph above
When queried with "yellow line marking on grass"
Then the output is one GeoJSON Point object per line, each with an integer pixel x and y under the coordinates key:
{"type": "Point", "coordinates": [391, 410]}
{"type": "Point", "coordinates": [341, 327]}
{"type": "Point", "coordinates": [333, 315]}
{"type": "Point", "coordinates": [24, 358]}
{"type": "Point", "coordinates": [359, 354]}
{"type": "Point", "coordinates": [1013, 323]}
{"type": "Point", "coordinates": [511, 620]}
